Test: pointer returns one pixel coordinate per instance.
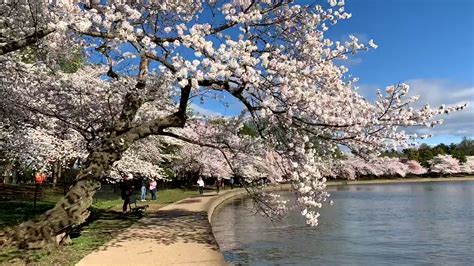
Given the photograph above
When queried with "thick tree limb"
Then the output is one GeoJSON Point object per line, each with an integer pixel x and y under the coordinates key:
{"type": "Point", "coordinates": [21, 43]}
{"type": "Point", "coordinates": [185, 139]}
{"type": "Point", "coordinates": [183, 102]}
{"type": "Point", "coordinates": [133, 100]}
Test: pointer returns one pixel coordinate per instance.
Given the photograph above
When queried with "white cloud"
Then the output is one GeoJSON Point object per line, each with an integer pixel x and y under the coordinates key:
{"type": "Point", "coordinates": [436, 92]}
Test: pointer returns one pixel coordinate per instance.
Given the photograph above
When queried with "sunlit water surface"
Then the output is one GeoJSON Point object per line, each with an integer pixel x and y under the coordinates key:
{"type": "Point", "coordinates": [408, 224]}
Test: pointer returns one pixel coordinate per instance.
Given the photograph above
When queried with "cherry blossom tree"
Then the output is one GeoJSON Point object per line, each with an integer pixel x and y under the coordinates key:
{"type": "Point", "coordinates": [144, 158]}
{"type": "Point", "coordinates": [346, 170]}
{"type": "Point", "coordinates": [355, 167]}
{"type": "Point", "coordinates": [36, 148]}
{"type": "Point", "coordinates": [148, 59]}
{"type": "Point", "coordinates": [415, 168]}
{"type": "Point", "coordinates": [215, 148]}
{"type": "Point", "coordinates": [22, 24]}
{"type": "Point", "coordinates": [392, 166]}
{"type": "Point", "coordinates": [468, 166]}
{"type": "Point", "coordinates": [202, 161]}
{"type": "Point", "coordinates": [444, 165]}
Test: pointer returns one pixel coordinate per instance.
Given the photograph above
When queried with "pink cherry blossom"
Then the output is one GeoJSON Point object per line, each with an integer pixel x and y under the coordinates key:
{"type": "Point", "coordinates": [445, 165]}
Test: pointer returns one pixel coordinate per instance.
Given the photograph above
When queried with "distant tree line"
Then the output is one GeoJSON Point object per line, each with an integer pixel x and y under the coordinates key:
{"type": "Point", "coordinates": [424, 153]}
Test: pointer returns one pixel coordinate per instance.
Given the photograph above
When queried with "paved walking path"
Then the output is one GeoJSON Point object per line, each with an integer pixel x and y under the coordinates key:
{"type": "Point", "coordinates": [179, 233]}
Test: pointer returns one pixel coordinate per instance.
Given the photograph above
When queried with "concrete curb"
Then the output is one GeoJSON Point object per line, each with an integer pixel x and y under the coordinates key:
{"type": "Point", "coordinates": [221, 199]}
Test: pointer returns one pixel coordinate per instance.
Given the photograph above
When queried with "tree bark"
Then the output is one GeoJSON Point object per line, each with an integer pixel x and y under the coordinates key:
{"type": "Point", "coordinates": [56, 173]}
{"type": "Point", "coordinates": [70, 211]}
{"type": "Point", "coordinates": [14, 176]}
{"type": "Point", "coordinates": [21, 43]}
{"type": "Point", "coordinates": [7, 174]}
{"type": "Point", "coordinates": [60, 173]}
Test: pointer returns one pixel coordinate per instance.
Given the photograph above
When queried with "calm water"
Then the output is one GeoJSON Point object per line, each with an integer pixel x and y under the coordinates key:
{"type": "Point", "coordinates": [408, 224]}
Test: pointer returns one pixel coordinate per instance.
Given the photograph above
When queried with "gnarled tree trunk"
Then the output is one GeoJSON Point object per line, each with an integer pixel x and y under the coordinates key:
{"type": "Point", "coordinates": [8, 172]}
{"type": "Point", "coordinates": [72, 209]}
{"type": "Point", "coordinates": [56, 173]}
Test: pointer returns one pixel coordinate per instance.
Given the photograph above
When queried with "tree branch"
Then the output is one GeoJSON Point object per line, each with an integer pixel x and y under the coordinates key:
{"type": "Point", "coordinates": [133, 101]}
{"type": "Point", "coordinates": [21, 43]}
{"type": "Point", "coordinates": [183, 102]}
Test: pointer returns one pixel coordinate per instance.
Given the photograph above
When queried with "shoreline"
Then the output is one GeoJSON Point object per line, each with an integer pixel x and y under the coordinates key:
{"type": "Point", "coordinates": [402, 180]}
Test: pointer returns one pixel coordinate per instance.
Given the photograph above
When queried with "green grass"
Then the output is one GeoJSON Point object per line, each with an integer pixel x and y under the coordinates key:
{"type": "Point", "coordinates": [18, 204]}
{"type": "Point", "coordinates": [105, 222]}
{"type": "Point", "coordinates": [167, 196]}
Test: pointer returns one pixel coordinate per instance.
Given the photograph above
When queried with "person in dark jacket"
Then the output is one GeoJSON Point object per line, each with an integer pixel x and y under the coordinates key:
{"type": "Point", "coordinates": [126, 190]}
{"type": "Point", "coordinates": [218, 185]}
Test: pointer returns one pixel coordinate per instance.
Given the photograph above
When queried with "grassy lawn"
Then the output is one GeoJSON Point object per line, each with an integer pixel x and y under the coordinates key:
{"type": "Point", "coordinates": [105, 222]}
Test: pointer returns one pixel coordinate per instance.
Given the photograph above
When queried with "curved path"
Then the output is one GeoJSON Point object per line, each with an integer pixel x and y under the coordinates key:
{"type": "Point", "coordinates": [179, 233]}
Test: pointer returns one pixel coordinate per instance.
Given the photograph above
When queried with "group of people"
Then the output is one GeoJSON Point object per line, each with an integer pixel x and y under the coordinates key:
{"type": "Point", "coordinates": [126, 188]}
{"type": "Point", "coordinates": [151, 184]}
{"type": "Point", "coordinates": [219, 183]}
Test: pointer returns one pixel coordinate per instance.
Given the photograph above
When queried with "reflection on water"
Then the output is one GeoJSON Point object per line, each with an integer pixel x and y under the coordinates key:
{"type": "Point", "coordinates": [421, 223]}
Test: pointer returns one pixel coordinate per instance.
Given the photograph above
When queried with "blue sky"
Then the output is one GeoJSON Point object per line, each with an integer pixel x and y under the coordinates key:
{"type": "Point", "coordinates": [431, 39]}
{"type": "Point", "coordinates": [428, 44]}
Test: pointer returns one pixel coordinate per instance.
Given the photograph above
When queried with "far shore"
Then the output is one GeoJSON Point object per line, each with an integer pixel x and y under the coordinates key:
{"type": "Point", "coordinates": [401, 180]}
{"type": "Point", "coordinates": [334, 183]}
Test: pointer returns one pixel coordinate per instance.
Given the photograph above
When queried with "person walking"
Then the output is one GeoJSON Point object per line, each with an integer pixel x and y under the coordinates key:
{"type": "Point", "coordinates": [126, 190]}
{"type": "Point", "coordinates": [153, 189]}
{"type": "Point", "coordinates": [200, 183]}
{"type": "Point", "coordinates": [218, 184]}
{"type": "Point", "coordinates": [231, 182]}
{"type": "Point", "coordinates": [143, 190]}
